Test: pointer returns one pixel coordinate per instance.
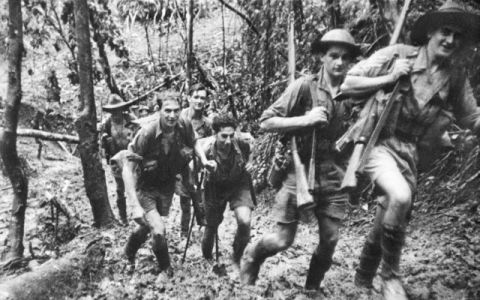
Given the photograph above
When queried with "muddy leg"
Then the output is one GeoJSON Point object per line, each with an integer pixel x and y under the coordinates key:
{"type": "Point", "coordinates": [322, 257]}
{"type": "Point", "coordinates": [267, 246]}
{"type": "Point", "coordinates": [243, 215]}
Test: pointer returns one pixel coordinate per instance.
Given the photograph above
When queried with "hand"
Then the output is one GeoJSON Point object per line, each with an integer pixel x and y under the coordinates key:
{"type": "Point", "coordinates": [318, 115]}
{"type": "Point", "coordinates": [210, 165]}
{"type": "Point", "coordinates": [401, 67]}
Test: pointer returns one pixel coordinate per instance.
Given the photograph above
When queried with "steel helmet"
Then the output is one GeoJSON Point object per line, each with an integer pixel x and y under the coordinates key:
{"type": "Point", "coordinates": [336, 36]}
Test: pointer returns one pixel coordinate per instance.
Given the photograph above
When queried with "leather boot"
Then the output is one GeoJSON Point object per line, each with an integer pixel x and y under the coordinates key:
{"type": "Point", "coordinates": [319, 265]}
{"type": "Point", "coordinates": [253, 259]}
{"type": "Point", "coordinates": [135, 241]}
{"type": "Point", "coordinates": [184, 224]}
{"type": "Point", "coordinates": [160, 249]}
{"type": "Point", "coordinates": [369, 261]}
{"type": "Point", "coordinates": [208, 241]}
{"type": "Point", "coordinates": [393, 239]}
{"type": "Point", "coordinates": [240, 242]}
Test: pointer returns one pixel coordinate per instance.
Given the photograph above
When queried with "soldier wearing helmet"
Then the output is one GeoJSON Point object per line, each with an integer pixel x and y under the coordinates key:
{"type": "Point", "coordinates": [435, 91]}
{"type": "Point", "coordinates": [309, 103]}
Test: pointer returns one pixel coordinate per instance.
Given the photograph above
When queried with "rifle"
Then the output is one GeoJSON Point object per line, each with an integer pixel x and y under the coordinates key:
{"type": "Point", "coordinates": [304, 197]}
{"type": "Point", "coordinates": [365, 132]}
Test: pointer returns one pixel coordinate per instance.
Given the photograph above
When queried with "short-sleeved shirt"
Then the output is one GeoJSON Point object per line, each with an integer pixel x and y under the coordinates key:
{"type": "Point", "coordinates": [296, 101]}
{"type": "Point", "coordinates": [446, 91]}
{"type": "Point", "coordinates": [148, 143]}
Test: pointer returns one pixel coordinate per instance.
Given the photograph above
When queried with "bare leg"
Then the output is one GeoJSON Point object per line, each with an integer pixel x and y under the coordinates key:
{"type": "Point", "coordinates": [322, 257]}
{"type": "Point", "coordinates": [243, 216]}
{"type": "Point", "coordinates": [267, 246]}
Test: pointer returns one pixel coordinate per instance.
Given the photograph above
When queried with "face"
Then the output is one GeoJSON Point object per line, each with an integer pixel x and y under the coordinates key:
{"type": "Point", "coordinates": [169, 113]}
{"type": "Point", "coordinates": [225, 136]}
{"type": "Point", "coordinates": [444, 41]}
{"type": "Point", "coordinates": [142, 113]}
{"type": "Point", "coordinates": [336, 61]}
{"type": "Point", "coordinates": [197, 99]}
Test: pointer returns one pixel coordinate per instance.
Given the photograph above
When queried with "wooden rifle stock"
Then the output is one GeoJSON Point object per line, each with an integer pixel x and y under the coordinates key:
{"type": "Point", "coordinates": [304, 198]}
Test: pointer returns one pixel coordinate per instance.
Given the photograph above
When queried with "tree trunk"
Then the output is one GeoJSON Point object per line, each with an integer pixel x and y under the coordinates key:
{"type": "Point", "coordinates": [93, 173]}
{"type": "Point", "coordinates": [189, 45]}
{"type": "Point", "coordinates": [8, 136]}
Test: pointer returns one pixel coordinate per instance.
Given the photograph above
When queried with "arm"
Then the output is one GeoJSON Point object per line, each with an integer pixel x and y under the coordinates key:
{"type": "Point", "coordinates": [355, 85]}
{"type": "Point", "coordinates": [317, 116]}
{"type": "Point", "coordinates": [377, 71]}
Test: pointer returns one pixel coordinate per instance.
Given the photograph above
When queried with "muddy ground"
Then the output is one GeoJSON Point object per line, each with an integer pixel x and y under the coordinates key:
{"type": "Point", "coordinates": [440, 260]}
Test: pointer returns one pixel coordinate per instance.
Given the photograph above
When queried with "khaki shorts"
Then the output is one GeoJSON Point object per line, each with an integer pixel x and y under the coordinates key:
{"type": "Point", "coordinates": [330, 201]}
{"type": "Point", "coordinates": [156, 197]}
{"type": "Point", "coordinates": [384, 160]}
{"type": "Point", "coordinates": [216, 202]}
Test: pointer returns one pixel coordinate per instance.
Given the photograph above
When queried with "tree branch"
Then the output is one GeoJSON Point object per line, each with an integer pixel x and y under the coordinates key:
{"type": "Point", "coordinates": [241, 15]}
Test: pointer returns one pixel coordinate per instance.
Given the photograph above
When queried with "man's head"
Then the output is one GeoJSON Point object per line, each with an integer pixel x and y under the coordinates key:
{"type": "Point", "coordinates": [115, 105]}
{"type": "Point", "coordinates": [197, 96]}
{"type": "Point", "coordinates": [444, 31]}
{"type": "Point", "coordinates": [337, 50]}
{"type": "Point", "coordinates": [224, 128]}
{"type": "Point", "coordinates": [169, 104]}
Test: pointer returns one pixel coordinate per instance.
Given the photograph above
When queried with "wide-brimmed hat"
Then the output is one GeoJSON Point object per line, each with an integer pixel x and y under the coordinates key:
{"type": "Point", "coordinates": [115, 102]}
{"type": "Point", "coordinates": [450, 13]}
{"type": "Point", "coordinates": [335, 37]}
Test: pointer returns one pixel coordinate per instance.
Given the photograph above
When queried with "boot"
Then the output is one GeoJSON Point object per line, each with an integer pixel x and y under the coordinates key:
{"type": "Point", "coordinates": [184, 224]}
{"type": "Point", "coordinates": [208, 241]}
{"type": "Point", "coordinates": [160, 249]}
{"type": "Point", "coordinates": [392, 242]}
{"type": "Point", "coordinates": [253, 259]}
{"type": "Point", "coordinates": [240, 242]}
{"type": "Point", "coordinates": [369, 261]}
{"type": "Point", "coordinates": [135, 241]}
{"type": "Point", "coordinates": [319, 265]}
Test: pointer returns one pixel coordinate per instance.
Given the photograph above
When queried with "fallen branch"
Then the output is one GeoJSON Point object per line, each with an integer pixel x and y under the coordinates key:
{"type": "Point", "coordinates": [57, 278]}
{"type": "Point", "coordinates": [45, 135]}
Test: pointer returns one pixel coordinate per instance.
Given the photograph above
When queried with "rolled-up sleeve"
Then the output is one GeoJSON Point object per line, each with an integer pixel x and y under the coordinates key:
{"type": "Point", "coordinates": [283, 106]}
{"type": "Point", "coordinates": [376, 64]}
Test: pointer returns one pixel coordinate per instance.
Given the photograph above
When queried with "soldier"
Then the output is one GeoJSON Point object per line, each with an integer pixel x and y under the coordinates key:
{"type": "Point", "coordinates": [116, 134]}
{"type": "Point", "coordinates": [435, 92]}
{"type": "Point", "coordinates": [229, 182]}
{"type": "Point", "coordinates": [309, 103]}
{"type": "Point", "coordinates": [160, 150]}
{"type": "Point", "coordinates": [202, 126]}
